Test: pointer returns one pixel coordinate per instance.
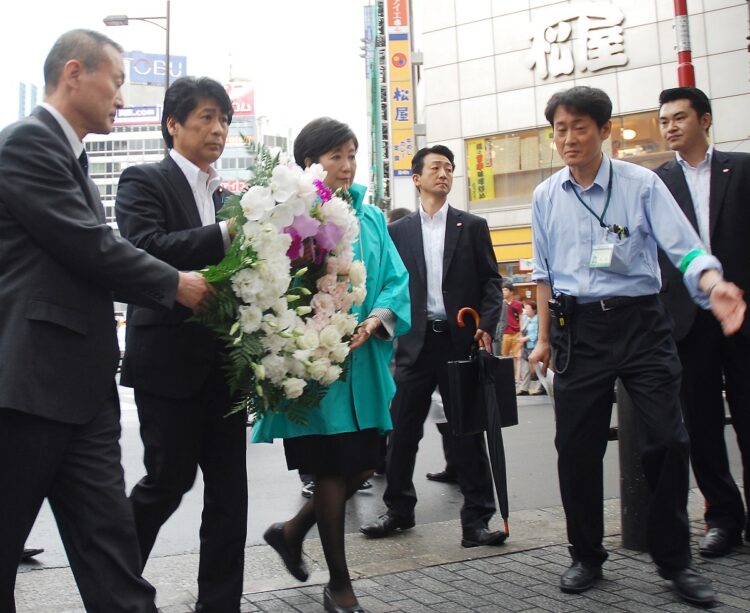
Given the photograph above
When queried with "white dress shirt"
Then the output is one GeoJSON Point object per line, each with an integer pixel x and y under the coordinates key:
{"type": "Point", "coordinates": [75, 143]}
{"type": "Point", "coordinates": [699, 183]}
{"type": "Point", "coordinates": [203, 185]}
{"type": "Point", "coordinates": [433, 243]}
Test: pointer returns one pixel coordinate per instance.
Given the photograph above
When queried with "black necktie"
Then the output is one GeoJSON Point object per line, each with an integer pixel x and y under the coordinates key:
{"type": "Point", "coordinates": [83, 160]}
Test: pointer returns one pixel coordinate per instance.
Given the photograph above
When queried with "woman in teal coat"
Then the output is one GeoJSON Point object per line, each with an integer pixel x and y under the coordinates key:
{"type": "Point", "coordinates": [340, 443]}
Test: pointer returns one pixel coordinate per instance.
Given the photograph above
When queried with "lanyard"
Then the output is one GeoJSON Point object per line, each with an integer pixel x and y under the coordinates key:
{"type": "Point", "coordinates": [600, 219]}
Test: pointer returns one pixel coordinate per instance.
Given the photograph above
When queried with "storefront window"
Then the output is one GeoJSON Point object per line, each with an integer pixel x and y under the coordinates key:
{"type": "Point", "coordinates": [504, 169]}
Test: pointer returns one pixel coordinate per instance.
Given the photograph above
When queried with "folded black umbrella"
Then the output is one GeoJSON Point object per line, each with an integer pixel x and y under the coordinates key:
{"type": "Point", "coordinates": [482, 394]}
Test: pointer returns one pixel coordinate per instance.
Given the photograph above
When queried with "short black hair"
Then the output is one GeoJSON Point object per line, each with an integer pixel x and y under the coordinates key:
{"type": "Point", "coordinates": [585, 100]}
{"type": "Point", "coordinates": [319, 137]}
{"type": "Point", "coordinates": [417, 163]}
{"type": "Point", "coordinates": [86, 46]}
{"type": "Point", "coordinates": [698, 100]}
{"type": "Point", "coordinates": [508, 285]}
{"type": "Point", "coordinates": [183, 96]}
{"type": "Point", "coordinates": [397, 214]}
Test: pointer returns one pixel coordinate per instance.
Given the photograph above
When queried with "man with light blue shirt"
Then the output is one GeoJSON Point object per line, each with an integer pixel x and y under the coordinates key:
{"type": "Point", "coordinates": [712, 188]}
{"type": "Point", "coordinates": [597, 224]}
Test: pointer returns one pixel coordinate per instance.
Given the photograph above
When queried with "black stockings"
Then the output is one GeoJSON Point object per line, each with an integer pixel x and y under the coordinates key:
{"type": "Point", "coordinates": [327, 508]}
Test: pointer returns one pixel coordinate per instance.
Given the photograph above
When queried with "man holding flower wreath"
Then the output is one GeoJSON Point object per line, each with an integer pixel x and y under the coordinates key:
{"type": "Point", "coordinates": [175, 366]}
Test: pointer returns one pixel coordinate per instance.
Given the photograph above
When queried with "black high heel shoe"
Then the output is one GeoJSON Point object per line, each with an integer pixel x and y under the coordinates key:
{"type": "Point", "coordinates": [329, 604]}
{"type": "Point", "coordinates": [274, 536]}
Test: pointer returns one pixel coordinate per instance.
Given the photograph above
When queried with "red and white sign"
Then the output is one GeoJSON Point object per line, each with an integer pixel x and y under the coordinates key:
{"type": "Point", "coordinates": [242, 95]}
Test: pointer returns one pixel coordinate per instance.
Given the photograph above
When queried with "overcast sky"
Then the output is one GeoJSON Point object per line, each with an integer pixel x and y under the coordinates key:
{"type": "Point", "coordinates": [302, 55]}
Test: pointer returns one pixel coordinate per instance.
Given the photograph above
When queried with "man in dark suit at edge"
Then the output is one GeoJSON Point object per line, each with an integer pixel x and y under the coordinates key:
{"type": "Point", "coordinates": [176, 366]}
{"type": "Point", "coordinates": [61, 265]}
{"type": "Point", "coordinates": [713, 190]}
{"type": "Point", "coordinates": [451, 264]}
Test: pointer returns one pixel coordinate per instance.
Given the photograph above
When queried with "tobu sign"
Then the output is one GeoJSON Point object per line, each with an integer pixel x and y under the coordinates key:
{"type": "Point", "coordinates": [150, 68]}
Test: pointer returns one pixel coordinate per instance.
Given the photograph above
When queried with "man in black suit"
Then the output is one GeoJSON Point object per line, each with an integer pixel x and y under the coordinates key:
{"type": "Point", "coordinates": [175, 365]}
{"type": "Point", "coordinates": [61, 265]}
{"type": "Point", "coordinates": [451, 265]}
{"type": "Point", "coordinates": [713, 189]}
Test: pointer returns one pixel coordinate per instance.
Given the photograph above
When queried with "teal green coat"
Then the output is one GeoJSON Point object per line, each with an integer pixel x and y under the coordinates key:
{"type": "Point", "coordinates": [362, 400]}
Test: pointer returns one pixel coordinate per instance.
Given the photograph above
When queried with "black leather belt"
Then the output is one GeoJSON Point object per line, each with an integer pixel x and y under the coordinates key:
{"type": "Point", "coordinates": [438, 325]}
{"type": "Point", "coordinates": [616, 302]}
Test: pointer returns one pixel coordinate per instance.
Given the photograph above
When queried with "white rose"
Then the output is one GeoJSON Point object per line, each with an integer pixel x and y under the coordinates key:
{"type": "Point", "coordinates": [309, 340]}
{"type": "Point", "coordinates": [332, 374]}
{"type": "Point", "coordinates": [345, 323]}
{"type": "Point", "coordinates": [293, 387]}
{"type": "Point", "coordinates": [275, 368]}
{"type": "Point", "coordinates": [358, 294]}
{"type": "Point", "coordinates": [296, 368]}
{"type": "Point", "coordinates": [329, 337]}
{"type": "Point", "coordinates": [357, 273]}
{"type": "Point", "coordinates": [250, 318]}
{"type": "Point", "coordinates": [318, 368]}
{"type": "Point", "coordinates": [256, 202]}
{"type": "Point", "coordinates": [339, 352]}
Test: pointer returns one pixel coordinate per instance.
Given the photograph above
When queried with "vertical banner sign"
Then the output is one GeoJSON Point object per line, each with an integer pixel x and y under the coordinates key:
{"type": "Point", "coordinates": [400, 88]}
{"type": "Point", "coordinates": [481, 177]}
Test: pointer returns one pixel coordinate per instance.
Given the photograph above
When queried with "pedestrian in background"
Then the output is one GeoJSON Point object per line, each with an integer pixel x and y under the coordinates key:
{"type": "Point", "coordinates": [530, 384]}
{"type": "Point", "coordinates": [512, 332]}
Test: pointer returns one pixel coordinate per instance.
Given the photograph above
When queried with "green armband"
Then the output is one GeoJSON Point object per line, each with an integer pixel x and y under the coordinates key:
{"type": "Point", "coordinates": [685, 262]}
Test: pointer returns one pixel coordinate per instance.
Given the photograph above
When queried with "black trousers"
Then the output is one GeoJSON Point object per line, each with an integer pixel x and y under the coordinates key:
{"type": "Point", "coordinates": [77, 468]}
{"type": "Point", "coordinates": [707, 355]}
{"type": "Point", "coordinates": [178, 437]}
{"type": "Point", "coordinates": [633, 343]}
{"type": "Point", "coordinates": [409, 409]}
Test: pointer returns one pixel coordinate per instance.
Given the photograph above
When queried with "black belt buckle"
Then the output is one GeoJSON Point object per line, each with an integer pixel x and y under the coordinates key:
{"type": "Point", "coordinates": [604, 306]}
{"type": "Point", "coordinates": [438, 326]}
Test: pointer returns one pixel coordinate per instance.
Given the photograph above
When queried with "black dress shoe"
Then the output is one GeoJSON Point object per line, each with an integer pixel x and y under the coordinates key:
{"type": "Point", "coordinates": [579, 578]}
{"type": "Point", "coordinates": [329, 604]}
{"type": "Point", "coordinates": [717, 542]}
{"type": "Point", "coordinates": [444, 476]}
{"type": "Point", "coordinates": [385, 525]}
{"type": "Point", "coordinates": [482, 536]}
{"type": "Point", "coordinates": [274, 536]}
{"type": "Point", "coordinates": [30, 552]}
{"type": "Point", "coordinates": [691, 586]}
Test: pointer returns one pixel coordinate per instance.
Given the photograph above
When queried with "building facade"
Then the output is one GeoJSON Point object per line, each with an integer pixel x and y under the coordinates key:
{"type": "Point", "coordinates": [491, 65]}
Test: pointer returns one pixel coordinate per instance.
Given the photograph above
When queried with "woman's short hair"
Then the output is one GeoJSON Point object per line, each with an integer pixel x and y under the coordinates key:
{"type": "Point", "coordinates": [319, 137]}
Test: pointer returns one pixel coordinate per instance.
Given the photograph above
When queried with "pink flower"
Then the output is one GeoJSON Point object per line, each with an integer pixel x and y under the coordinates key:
{"type": "Point", "coordinates": [341, 297]}
{"type": "Point", "coordinates": [305, 226]}
{"type": "Point", "coordinates": [328, 236]}
{"type": "Point", "coordinates": [326, 283]}
{"type": "Point", "coordinates": [323, 191]}
{"type": "Point", "coordinates": [323, 304]}
{"type": "Point", "coordinates": [295, 249]}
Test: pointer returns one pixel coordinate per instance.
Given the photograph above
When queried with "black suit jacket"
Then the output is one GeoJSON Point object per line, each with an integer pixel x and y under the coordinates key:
{"type": "Point", "coordinates": [59, 266]}
{"type": "Point", "coordinates": [729, 222]}
{"type": "Point", "coordinates": [470, 279]}
{"type": "Point", "coordinates": [156, 211]}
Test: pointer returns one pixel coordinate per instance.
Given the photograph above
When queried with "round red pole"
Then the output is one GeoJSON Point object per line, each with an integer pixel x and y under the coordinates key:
{"type": "Point", "coordinates": [685, 72]}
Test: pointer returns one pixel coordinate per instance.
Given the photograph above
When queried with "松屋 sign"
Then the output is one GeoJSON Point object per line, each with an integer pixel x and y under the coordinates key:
{"type": "Point", "coordinates": [598, 42]}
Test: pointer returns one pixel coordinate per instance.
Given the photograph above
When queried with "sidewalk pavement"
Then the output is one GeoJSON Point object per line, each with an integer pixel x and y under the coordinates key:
{"type": "Point", "coordinates": [426, 569]}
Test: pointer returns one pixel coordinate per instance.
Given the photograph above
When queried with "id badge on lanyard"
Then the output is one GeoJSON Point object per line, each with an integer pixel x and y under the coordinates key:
{"type": "Point", "coordinates": [601, 253]}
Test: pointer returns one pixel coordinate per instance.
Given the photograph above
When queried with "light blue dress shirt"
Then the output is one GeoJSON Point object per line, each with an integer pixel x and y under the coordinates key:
{"type": "Point", "coordinates": [564, 234]}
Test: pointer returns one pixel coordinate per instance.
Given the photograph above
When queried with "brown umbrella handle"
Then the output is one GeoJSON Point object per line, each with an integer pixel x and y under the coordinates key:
{"type": "Point", "coordinates": [460, 316]}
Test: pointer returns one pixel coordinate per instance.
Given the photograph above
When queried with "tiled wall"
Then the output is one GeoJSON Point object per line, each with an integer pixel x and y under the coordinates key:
{"type": "Point", "coordinates": [476, 81]}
